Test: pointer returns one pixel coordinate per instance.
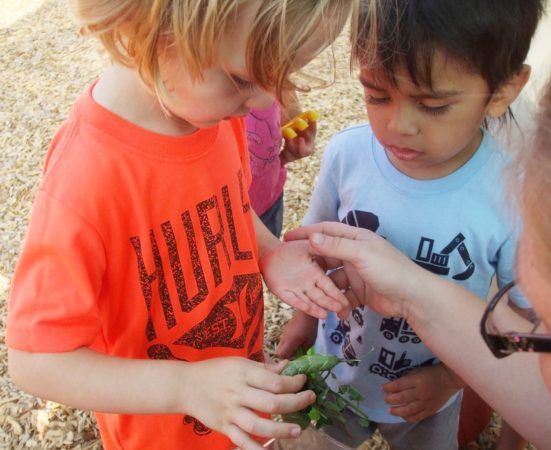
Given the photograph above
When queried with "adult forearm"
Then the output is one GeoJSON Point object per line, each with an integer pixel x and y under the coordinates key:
{"type": "Point", "coordinates": [446, 317]}
{"type": "Point", "coordinates": [89, 380]}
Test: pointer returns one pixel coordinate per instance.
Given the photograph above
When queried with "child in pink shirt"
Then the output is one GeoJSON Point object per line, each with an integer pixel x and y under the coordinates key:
{"type": "Point", "coordinates": [268, 159]}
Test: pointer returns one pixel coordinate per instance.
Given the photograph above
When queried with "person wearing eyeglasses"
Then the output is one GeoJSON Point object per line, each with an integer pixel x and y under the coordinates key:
{"type": "Point", "coordinates": [471, 337]}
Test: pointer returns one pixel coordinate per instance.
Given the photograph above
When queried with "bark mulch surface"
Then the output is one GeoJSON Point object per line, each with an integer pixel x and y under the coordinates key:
{"type": "Point", "coordinates": [44, 66]}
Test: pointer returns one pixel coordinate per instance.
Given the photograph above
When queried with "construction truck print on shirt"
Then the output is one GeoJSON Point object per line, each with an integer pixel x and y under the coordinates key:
{"type": "Point", "coordinates": [457, 227]}
{"type": "Point", "coordinates": [392, 364]}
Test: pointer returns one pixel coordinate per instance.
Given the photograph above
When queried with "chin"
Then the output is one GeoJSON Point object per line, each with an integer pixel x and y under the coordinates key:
{"type": "Point", "coordinates": [206, 123]}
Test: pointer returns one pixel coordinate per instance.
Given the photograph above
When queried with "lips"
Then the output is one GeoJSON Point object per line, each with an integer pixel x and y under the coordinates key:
{"type": "Point", "coordinates": [403, 153]}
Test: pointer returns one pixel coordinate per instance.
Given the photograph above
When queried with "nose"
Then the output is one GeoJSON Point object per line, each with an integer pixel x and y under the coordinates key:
{"type": "Point", "coordinates": [260, 99]}
{"type": "Point", "coordinates": [402, 121]}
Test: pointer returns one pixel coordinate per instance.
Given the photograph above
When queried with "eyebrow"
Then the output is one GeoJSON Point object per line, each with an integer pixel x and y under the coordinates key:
{"type": "Point", "coordinates": [430, 94]}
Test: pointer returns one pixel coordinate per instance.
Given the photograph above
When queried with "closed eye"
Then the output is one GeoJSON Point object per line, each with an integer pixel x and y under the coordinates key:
{"type": "Point", "coordinates": [372, 100]}
{"type": "Point", "coordinates": [434, 110]}
{"type": "Point", "coordinates": [241, 83]}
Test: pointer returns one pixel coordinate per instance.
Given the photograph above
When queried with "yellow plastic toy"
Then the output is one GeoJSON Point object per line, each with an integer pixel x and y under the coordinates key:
{"type": "Point", "coordinates": [299, 123]}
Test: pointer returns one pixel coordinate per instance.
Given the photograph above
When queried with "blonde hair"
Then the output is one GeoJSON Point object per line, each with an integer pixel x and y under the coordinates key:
{"type": "Point", "coordinates": [535, 198]}
{"type": "Point", "coordinates": [136, 33]}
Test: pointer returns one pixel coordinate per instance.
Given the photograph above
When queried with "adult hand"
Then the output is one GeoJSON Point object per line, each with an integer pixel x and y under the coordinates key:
{"type": "Point", "coordinates": [378, 275]}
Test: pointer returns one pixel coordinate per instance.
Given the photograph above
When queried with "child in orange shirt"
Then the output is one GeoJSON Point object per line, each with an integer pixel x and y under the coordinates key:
{"type": "Point", "coordinates": [138, 293]}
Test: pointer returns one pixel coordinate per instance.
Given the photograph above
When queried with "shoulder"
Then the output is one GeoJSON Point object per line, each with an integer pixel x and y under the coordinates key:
{"type": "Point", "coordinates": [354, 133]}
{"type": "Point", "coordinates": [347, 142]}
{"type": "Point", "coordinates": [492, 183]}
{"type": "Point", "coordinates": [85, 169]}
{"type": "Point", "coordinates": [498, 156]}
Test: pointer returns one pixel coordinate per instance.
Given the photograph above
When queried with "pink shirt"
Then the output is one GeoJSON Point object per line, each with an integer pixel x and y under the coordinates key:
{"type": "Point", "coordinates": [268, 174]}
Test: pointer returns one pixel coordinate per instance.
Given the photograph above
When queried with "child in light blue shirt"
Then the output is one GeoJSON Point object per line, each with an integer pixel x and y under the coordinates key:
{"type": "Point", "coordinates": [427, 176]}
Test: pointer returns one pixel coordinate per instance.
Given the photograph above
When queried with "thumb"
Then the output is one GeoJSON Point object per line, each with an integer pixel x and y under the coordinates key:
{"type": "Point", "coordinates": [336, 247]}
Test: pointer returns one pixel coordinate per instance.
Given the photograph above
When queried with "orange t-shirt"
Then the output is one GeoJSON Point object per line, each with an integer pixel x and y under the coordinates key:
{"type": "Point", "coordinates": [141, 245]}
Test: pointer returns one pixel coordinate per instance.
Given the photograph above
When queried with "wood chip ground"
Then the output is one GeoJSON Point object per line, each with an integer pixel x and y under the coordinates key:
{"type": "Point", "coordinates": [44, 66]}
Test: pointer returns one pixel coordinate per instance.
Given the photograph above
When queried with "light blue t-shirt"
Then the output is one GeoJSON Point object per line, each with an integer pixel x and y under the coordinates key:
{"type": "Point", "coordinates": [458, 226]}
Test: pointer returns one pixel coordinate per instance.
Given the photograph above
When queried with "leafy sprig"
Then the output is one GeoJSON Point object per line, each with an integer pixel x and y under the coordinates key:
{"type": "Point", "coordinates": [329, 405]}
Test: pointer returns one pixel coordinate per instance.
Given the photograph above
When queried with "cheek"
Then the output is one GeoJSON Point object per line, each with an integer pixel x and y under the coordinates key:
{"type": "Point", "coordinates": [446, 139]}
{"type": "Point", "coordinates": [377, 120]}
{"type": "Point", "coordinates": [545, 367]}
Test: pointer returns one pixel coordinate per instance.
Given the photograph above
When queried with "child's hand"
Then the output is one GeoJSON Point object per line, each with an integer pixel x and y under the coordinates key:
{"type": "Point", "coordinates": [300, 331]}
{"type": "Point", "coordinates": [420, 393]}
{"type": "Point", "coordinates": [301, 146]}
{"type": "Point", "coordinates": [224, 394]}
{"type": "Point", "coordinates": [293, 275]}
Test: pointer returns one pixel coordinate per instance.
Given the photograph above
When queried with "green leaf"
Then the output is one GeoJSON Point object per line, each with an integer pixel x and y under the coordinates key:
{"type": "Point", "coordinates": [300, 418]}
{"type": "Point", "coordinates": [324, 421]}
{"type": "Point", "coordinates": [341, 402]}
{"type": "Point", "coordinates": [331, 406]}
{"type": "Point", "coordinates": [343, 389]}
{"type": "Point", "coordinates": [354, 394]}
{"type": "Point", "coordinates": [314, 413]}
{"type": "Point", "coordinates": [364, 422]}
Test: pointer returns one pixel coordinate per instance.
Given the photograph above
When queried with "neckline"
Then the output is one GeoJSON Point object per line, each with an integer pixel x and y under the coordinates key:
{"type": "Point", "coordinates": [164, 146]}
{"type": "Point", "coordinates": [446, 183]}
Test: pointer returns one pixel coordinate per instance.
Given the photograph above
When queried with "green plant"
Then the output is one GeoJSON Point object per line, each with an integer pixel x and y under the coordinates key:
{"type": "Point", "coordinates": [329, 405]}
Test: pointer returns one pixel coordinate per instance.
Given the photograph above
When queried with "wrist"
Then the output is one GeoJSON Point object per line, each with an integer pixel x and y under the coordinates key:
{"type": "Point", "coordinates": [418, 302]}
{"type": "Point", "coordinates": [455, 379]}
{"type": "Point", "coordinates": [303, 317]}
{"type": "Point", "coordinates": [265, 240]}
{"type": "Point", "coordinates": [185, 385]}
{"type": "Point", "coordinates": [268, 246]}
{"type": "Point", "coordinates": [285, 156]}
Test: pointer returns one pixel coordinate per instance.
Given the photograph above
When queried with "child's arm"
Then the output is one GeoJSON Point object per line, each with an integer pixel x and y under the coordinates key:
{"type": "Point", "coordinates": [292, 274]}
{"type": "Point", "coordinates": [302, 145]}
{"type": "Point", "coordinates": [300, 331]}
{"type": "Point", "coordinates": [89, 380]}
{"type": "Point", "coordinates": [422, 392]}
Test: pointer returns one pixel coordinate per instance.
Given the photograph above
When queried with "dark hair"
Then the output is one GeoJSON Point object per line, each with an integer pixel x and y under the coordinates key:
{"type": "Point", "coordinates": [491, 37]}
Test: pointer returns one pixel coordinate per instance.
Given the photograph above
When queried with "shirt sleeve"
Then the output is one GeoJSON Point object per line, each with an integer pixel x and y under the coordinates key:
{"type": "Point", "coordinates": [53, 303]}
{"type": "Point", "coordinates": [505, 272]}
{"type": "Point", "coordinates": [324, 203]}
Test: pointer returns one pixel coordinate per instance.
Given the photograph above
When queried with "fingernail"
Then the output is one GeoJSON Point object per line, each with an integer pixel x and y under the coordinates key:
{"type": "Point", "coordinates": [295, 432]}
{"type": "Point", "coordinates": [317, 238]}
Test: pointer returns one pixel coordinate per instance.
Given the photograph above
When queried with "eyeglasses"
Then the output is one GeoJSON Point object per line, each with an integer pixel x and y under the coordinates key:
{"type": "Point", "coordinates": [500, 317]}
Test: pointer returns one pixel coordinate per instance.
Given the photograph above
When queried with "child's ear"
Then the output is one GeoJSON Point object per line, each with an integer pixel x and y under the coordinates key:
{"type": "Point", "coordinates": [508, 92]}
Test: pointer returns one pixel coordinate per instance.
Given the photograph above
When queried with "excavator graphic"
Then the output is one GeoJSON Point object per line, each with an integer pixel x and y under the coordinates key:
{"type": "Point", "coordinates": [426, 257]}
{"type": "Point", "coordinates": [438, 262]}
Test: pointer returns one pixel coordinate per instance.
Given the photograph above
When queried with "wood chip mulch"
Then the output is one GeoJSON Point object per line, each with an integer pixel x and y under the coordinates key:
{"type": "Point", "coordinates": [44, 66]}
